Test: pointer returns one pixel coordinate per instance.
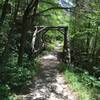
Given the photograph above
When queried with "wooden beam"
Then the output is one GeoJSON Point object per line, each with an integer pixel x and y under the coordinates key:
{"type": "Point", "coordinates": [52, 27]}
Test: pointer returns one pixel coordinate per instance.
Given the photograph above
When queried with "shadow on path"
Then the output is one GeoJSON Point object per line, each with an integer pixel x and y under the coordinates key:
{"type": "Point", "coordinates": [50, 84]}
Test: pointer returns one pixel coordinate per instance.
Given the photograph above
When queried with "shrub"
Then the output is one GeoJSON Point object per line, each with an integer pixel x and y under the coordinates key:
{"type": "Point", "coordinates": [4, 91]}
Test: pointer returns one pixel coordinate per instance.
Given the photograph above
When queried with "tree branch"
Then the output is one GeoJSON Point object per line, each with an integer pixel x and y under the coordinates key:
{"type": "Point", "coordinates": [51, 8]}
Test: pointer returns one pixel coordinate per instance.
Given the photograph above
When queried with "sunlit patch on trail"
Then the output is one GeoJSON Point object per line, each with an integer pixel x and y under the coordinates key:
{"type": "Point", "coordinates": [50, 84]}
{"type": "Point", "coordinates": [49, 56]}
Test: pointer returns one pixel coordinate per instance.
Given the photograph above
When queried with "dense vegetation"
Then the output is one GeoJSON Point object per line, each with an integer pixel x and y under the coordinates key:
{"type": "Point", "coordinates": [18, 21]}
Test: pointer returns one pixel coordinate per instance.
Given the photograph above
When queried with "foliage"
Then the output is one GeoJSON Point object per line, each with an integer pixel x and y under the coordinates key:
{"type": "Point", "coordinates": [17, 21]}
{"type": "Point", "coordinates": [4, 91]}
{"type": "Point", "coordinates": [15, 78]}
{"type": "Point", "coordinates": [86, 85]}
{"type": "Point", "coordinates": [85, 42]}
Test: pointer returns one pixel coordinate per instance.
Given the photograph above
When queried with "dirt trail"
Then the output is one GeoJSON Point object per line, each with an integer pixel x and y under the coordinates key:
{"type": "Point", "coordinates": [50, 84]}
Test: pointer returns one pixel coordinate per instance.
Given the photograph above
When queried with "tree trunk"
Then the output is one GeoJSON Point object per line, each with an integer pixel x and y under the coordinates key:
{"type": "Point", "coordinates": [33, 4]}
{"type": "Point", "coordinates": [4, 12]}
{"type": "Point", "coordinates": [7, 51]}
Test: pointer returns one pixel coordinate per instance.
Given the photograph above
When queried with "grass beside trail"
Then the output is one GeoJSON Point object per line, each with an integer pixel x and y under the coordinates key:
{"type": "Point", "coordinates": [82, 83]}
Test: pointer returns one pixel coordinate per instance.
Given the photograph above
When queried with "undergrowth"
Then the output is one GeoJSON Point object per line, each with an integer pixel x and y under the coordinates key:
{"type": "Point", "coordinates": [14, 78]}
{"type": "Point", "coordinates": [87, 86]}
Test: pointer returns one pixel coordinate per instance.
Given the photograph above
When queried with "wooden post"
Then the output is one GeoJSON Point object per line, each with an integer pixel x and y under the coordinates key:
{"type": "Point", "coordinates": [66, 47]}
{"type": "Point", "coordinates": [65, 40]}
